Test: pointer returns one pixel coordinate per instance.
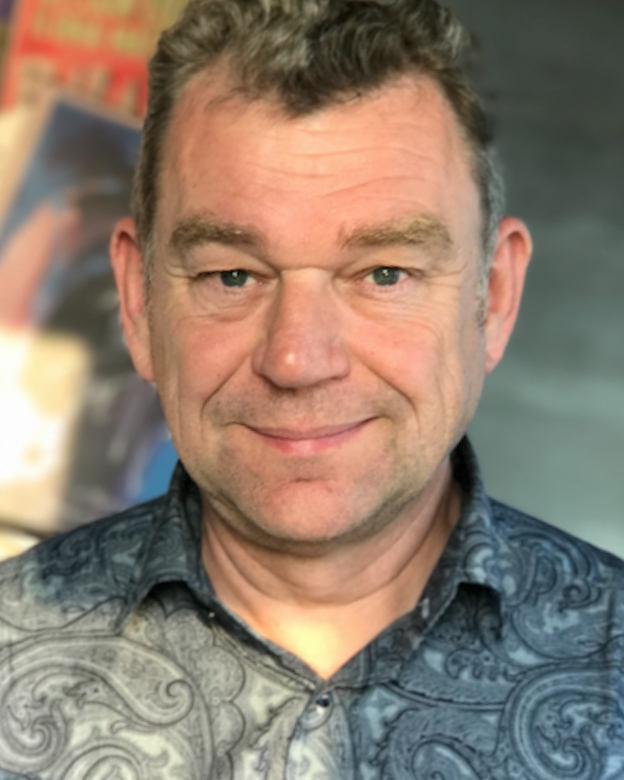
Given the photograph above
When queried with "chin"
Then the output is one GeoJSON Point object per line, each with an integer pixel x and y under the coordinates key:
{"type": "Point", "coordinates": [304, 512]}
{"type": "Point", "coordinates": [308, 517]}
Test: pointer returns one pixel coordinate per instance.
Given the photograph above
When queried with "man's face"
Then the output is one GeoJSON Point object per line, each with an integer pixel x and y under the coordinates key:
{"type": "Point", "coordinates": [314, 332]}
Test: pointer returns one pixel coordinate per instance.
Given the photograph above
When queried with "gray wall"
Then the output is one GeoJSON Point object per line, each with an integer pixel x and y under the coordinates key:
{"type": "Point", "coordinates": [550, 429]}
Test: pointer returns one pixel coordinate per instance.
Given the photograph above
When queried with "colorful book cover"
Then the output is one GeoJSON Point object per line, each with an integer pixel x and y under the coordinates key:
{"type": "Point", "coordinates": [5, 15]}
{"type": "Point", "coordinates": [82, 434]}
{"type": "Point", "coordinates": [97, 49]}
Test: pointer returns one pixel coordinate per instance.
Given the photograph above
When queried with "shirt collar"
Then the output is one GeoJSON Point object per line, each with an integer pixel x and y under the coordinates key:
{"type": "Point", "coordinates": [173, 552]}
{"type": "Point", "coordinates": [472, 554]}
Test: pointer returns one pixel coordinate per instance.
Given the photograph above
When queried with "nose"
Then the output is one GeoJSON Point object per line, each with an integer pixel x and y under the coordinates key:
{"type": "Point", "coordinates": [303, 341]}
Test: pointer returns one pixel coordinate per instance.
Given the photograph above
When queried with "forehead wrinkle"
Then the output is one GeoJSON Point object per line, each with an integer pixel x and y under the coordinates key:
{"type": "Point", "coordinates": [421, 230]}
{"type": "Point", "coordinates": [196, 230]}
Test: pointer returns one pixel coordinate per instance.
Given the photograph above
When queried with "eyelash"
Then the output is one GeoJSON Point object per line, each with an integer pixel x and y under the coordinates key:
{"type": "Point", "coordinates": [205, 275]}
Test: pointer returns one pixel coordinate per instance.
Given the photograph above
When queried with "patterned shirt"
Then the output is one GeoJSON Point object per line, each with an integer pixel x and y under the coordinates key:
{"type": "Point", "coordinates": [117, 661]}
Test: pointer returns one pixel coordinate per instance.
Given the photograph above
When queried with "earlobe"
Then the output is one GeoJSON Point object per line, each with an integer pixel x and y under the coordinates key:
{"type": "Point", "coordinates": [506, 280]}
{"type": "Point", "coordinates": [127, 260]}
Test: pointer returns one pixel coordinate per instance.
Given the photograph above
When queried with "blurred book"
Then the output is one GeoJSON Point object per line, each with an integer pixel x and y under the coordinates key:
{"type": "Point", "coordinates": [5, 16]}
{"type": "Point", "coordinates": [69, 395]}
{"type": "Point", "coordinates": [19, 127]}
{"type": "Point", "coordinates": [96, 49]}
{"type": "Point", "coordinates": [14, 541]}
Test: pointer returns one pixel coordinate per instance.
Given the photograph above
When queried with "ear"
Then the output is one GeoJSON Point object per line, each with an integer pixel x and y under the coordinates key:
{"type": "Point", "coordinates": [127, 261]}
{"type": "Point", "coordinates": [509, 263]}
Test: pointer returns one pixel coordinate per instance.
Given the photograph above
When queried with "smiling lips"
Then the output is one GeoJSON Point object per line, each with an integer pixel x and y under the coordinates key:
{"type": "Point", "coordinates": [310, 442]}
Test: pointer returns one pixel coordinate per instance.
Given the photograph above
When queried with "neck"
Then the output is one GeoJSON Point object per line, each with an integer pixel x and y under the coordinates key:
{"type": "Point", "coordinates": [325, 608]}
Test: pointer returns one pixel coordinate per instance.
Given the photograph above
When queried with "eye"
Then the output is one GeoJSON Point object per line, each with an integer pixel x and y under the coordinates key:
{"type": "Point", "coordinates": [234, 278]}
{"type": "Point", "coordinates": [386, 276]}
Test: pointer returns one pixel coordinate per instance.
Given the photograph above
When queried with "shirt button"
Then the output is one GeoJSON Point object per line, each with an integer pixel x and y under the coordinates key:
{"type": "Point", "coordinates": [325, 699]}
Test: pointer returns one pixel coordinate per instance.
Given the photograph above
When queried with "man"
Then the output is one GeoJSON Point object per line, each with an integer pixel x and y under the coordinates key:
{"type": "Point", "coordinates": [317, 278]}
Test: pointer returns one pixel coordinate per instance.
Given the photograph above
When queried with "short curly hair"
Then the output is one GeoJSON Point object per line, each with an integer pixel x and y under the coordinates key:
{"type": "Point", "coordinates": [309, 54]}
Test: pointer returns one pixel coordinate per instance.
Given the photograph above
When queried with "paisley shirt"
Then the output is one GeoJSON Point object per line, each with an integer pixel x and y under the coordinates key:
{"type": "Point", "coordinates": [118, 662]}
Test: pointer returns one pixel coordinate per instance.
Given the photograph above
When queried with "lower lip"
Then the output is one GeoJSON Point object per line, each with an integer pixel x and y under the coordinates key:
{"type": "Point", "coordinates": [310, 447]}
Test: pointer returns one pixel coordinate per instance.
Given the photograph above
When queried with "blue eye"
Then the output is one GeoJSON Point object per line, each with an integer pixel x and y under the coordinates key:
{"type": "Point", "coordinates": [385, 276]}
{"type": "Point", "coordinates": [235, 278]}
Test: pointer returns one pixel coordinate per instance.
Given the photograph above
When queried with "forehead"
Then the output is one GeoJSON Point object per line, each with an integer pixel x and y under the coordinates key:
{"type": "Point", "coordinates": [388, 155]}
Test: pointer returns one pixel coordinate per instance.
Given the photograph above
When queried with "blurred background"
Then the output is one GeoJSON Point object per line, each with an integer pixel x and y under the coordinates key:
{"type": "Point", "coordinates": [550, 429]}
{"type": "Point", "coordinates": [81, 436]}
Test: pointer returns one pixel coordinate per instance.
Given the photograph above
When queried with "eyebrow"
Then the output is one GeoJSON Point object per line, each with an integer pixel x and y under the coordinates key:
{"type": "Point", "coordinates": [196, 230]}
{"type": "Point", "coordinates": [421, 230]}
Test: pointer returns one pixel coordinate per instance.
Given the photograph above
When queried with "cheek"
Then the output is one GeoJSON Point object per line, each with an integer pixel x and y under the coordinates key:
{"type": "Point", "coordinates": [416, 357]}
{"type": "Point", "coordinates": [433, 363]}
{"type": "Point", "coordinates": [473, 363]}
{"type": "Point", "coordinates": [194, 358]}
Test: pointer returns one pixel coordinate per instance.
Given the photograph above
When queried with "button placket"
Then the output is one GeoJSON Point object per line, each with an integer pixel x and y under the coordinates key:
{"type": "Point", "coordinates": [322, 744]}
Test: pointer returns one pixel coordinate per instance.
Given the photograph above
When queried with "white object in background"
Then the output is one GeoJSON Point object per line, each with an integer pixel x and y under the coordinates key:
{"type": "Point", "coordinates": [41, 390]}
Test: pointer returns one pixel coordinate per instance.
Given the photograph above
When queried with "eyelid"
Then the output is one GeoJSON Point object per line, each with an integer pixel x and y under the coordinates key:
{"type": "Point", "coordinates": [224, 268]}
{"type": "Point", "coordinates": [216, 258]}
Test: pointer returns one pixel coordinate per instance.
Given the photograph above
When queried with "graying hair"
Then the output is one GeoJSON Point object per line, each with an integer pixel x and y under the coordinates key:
{"type": "Point", "coordinates": [309, 54]}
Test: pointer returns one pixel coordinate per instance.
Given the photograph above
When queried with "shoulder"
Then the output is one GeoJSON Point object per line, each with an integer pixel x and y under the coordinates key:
{"type": "Point", "coordinates": [566, 589]}
{"type": "Point", "coordinates": [62, 578]}
{"type": "Point", "coordinates": [518, 531]}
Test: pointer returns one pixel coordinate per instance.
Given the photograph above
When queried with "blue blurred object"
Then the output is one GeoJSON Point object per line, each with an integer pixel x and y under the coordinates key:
{"type": "Point", "coordinates": [157, 472]}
